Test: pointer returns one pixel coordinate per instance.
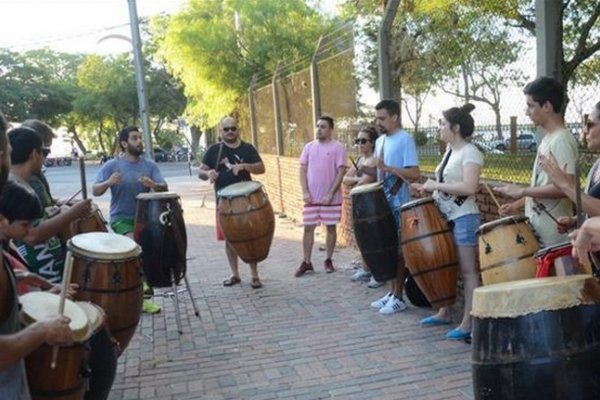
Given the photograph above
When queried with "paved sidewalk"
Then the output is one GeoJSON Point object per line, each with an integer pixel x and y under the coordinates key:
{"type": "Point", "coordinates": [305, 338]}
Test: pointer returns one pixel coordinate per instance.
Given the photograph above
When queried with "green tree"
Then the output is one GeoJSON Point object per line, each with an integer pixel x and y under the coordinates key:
{"type": "Point", "coordinates": [215, 47]}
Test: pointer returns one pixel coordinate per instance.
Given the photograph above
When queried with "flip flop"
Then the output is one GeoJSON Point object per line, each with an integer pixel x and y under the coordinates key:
{"type": "Point", "coordinates": [256, 283]}
{"type": "Point", "coordinates": [232, 280]}
{"type": "Point", "coordinates": [434, 321]}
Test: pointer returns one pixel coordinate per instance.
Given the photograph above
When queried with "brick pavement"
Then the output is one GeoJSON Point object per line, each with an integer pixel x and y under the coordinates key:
{"type": "Point", "coordinates": [305, 338]}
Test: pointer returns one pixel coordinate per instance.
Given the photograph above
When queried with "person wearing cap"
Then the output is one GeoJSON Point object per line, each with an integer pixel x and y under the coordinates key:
{"type": "Point", "coordinates": [41, 249]}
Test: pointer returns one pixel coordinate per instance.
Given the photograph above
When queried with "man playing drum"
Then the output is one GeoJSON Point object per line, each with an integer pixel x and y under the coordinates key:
{"type": "Point", "coordinates": [15, 343]}
{"type": "Point", "coordinates": [127, 176]}
{"type": "Point", "coordinates": [322, 168]}
{"type": "Point", "coordinates": [545, 98]}
{"type": "Point", "coordinates": [225, 163]}
{"type": "Point", "coordinates": [41, 248]}
{"type": "Point", "coordinates": [397, 161]}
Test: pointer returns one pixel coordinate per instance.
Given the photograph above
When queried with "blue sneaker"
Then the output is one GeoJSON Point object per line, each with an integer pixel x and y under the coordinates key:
{"type": "Point", "coordinates": [457, 334]}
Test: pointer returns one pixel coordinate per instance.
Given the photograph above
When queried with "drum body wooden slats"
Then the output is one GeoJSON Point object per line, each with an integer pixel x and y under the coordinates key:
{"type": "Point", "coordinates": [103, 354]}
{"type": "Point", "coordinates": [429, 251]}
{"type": "Point", "coordinates": [160, 230]}
{"type": "Point", "coordinates": [93, 222]}
{"type": "Point", "coordinates": [106, 266]}
{"type": "Point", "coordinates": [67, 380]}
{"type": "Point", "coordinates": [247, 220]}
{"type": "Point", "coordinates": [375, 231]}
{"type": "Point", "coordinates": [538, 354]}
{"type": "Point", "coordinates": [506, 250]}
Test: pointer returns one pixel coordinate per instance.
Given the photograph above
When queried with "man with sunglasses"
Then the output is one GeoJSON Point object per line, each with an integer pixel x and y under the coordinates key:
{"type": "Point", "coordinates": [41, 249]}
{"type": "Point", "coordinates": [231, 161]}
{"type": "Point", "coordinates": [542, 201]}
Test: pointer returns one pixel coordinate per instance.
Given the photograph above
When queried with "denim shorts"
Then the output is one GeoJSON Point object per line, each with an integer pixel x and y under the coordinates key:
{"type": "Point", "coordinates": [464, 229]}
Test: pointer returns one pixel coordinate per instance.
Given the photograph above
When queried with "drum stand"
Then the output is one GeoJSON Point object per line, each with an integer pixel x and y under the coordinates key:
{"type": "Point", "coordinates": [173, 294]}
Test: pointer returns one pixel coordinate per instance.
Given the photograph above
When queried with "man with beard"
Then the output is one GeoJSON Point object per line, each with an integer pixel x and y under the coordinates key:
{"type": "Point", "coordinates": [225, 163]}
{"type": "Point", "coordinates": [322, 168]}
{"type": "Point", "coordinates": [127, 176]}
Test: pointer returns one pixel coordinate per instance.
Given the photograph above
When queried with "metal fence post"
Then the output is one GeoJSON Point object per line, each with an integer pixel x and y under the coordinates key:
{"type": "Point", "coordinates": [513, 135]}
{"type": "Point", "coordinates": [314, 86]}
{"type": "Point", "coordinates": [277, 112]}
{"type": "Point", "coordinates": [252, 110]}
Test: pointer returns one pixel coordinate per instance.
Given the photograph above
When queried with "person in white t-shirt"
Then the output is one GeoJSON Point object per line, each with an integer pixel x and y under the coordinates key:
{"type": "Point", "coordinates": [545, 99]}
{"type": "Point", "coordinates": [454, 194]}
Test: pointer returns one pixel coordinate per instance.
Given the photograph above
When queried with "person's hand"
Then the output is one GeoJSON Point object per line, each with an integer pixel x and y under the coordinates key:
{"type": "Point", "coordinates": [80, 209]}
{"type": "Point", "coordinates": [557, 175]}
{"type": "Point", "coordinates": [418, 187]}
{"type": "Point", "coordinates": [507, 209]}
{"type": "Point", "coordinates": [583, 242]}
{"type": "Point", "coordinates": [115, 178]}
{"type": "Point", "coordinates": [306, 198]}
{"type": "Point", "coordinates": [565, 224]}
{"type": "Point", "coordinates": [212, 175]}
{"type": "Point", "coordinates": [512, 191]}
{"type": "Point", "coordinates": [327, 199]}
{"type": "Point", "coordinates": [147, 182]}
{"type": "Point", "coordinates": [236, 168]}
{"type": "Point", "coordinates": [71, 290]}
{"type": "Point", "coordinates": [32, 279]}
{"type": "Point", "coordinates": [56, 330]}
{"type": "Point", "coordinates": [429, 185]}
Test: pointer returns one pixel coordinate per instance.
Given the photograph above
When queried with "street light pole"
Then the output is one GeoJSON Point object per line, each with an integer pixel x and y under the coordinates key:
{"type": "Point", "coordinates": [139, 78]}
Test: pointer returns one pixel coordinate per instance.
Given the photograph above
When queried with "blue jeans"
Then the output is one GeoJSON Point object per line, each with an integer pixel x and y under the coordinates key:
{"type": "Point", "coordinates": [464, 229]}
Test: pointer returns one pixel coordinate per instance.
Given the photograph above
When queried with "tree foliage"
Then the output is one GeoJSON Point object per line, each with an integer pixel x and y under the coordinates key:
{"type": "Point", "coordinates": [215, 47]}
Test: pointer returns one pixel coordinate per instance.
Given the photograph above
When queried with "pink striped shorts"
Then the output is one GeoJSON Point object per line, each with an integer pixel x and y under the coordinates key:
{"type": "Point", "coordinates": [315, 214]}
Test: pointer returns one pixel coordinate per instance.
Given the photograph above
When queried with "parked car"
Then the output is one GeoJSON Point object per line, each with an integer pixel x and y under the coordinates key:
{"type": "Point", "coordinates": [160, 155]}
{"type": "Point", "coordinates": [488, 147]}
{"type": "Point", "coordinates": [525, 142]}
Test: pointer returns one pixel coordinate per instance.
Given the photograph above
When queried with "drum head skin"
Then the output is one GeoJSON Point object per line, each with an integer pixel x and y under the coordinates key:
{"type": "Point", "coordinates": [369, 187]}
{"type": "Point", "coordinates": [95, 314]}
{"type": "Point", "coordinates": [104, 246]}
{"type": "Point", "coordinates": [157, 195]}
{"type": "Point", "coordinates": [513, 219]}
{"type": "Point", "coordinates": [518, 298]}
{"type": "Point", "coordinates": [414, 203]}
{"type": "Point", "coordinates": [239, 189]}
{"type": "Point", "coordinates": [38, 306]}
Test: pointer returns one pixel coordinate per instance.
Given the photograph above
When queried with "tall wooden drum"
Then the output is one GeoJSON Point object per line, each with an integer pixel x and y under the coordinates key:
{"type": "Point", "coordinates": [506, 250]}
{"type": "Point", "coordinates": [429, 251]}
{"type": "Point", "coordinates": [160, 230]}
{"type": "Point", "coordinates": [67, 380]}
{"type": "Point", "coordinates": [247, 220]}
{"type": "Point", "coordinates": [537, 339]}
{"type": "Point", "coordinates": [375, 230]}
{"type": "Point", "coordinates": [106, 266]}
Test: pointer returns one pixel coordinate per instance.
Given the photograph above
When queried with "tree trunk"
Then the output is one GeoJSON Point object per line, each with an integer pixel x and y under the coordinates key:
{"type": "Point", "coordinates": [496, 108]}
{"type": "Point", "coordinates": [196, 132]}
{"type": "Point", "coordinates": [73, 130]}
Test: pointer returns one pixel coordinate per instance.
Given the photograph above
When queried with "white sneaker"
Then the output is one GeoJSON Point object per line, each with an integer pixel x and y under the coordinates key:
{"type": "Point", "coordinates": [373, 284]}
{"type": "Point", "coordinates": [360, 276]}
{"type": "Point", "coordinates": [382, 301]}
{"type": "Point", "coordinates": [393, 305]}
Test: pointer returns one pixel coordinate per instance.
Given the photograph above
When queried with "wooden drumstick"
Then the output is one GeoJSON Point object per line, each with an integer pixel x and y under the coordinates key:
{"type": "Point", "coordinates": [63, 296]}
{"type": "Point", "coordinates": [491, 194]}
{"type": "Point", "coordinates": [83, 181]}
{"type": "Point", "coordinates": [72, 197]}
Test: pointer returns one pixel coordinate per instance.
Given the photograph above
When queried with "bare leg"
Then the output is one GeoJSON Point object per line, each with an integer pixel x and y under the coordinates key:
{"type": "Point", "coordinates": [467, 259]}
{"type": "Point", "coordinates": [254, 270]}
{"type": "Point", "coordinates": [307, 241]}
{"type": "Point", "coordinates": [330, 240]}
{"type": "Point", "coordinates": [397, 284]}
{"type": "Point", "coordinates": [232, 257]}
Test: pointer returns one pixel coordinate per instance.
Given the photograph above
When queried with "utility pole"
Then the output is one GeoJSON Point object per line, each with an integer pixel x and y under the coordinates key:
{"type": "Point", "coordinates": [139, 78]}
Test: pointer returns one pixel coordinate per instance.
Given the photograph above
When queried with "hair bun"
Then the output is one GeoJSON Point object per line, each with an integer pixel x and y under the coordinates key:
{"type": "Point", "coordinates": [467, 108]}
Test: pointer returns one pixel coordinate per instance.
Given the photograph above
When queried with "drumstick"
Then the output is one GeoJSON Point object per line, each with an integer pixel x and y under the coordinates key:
{"type": "Point", "coordinates": [491, 194]}
{"type": "Point", "coordinates": [72, 197]}
{"type": "Point", "coordinates": [542, 207]}
{"type": "Point", "coordinates": [82, 173]}
{"type": "Point", "coordinates": [63, 295]}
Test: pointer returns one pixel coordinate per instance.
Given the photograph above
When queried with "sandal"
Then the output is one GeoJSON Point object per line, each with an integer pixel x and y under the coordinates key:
{"type": "Point", "coordinates": [256, 283]}
{"type": "Point", "coordinates": [232, 280]}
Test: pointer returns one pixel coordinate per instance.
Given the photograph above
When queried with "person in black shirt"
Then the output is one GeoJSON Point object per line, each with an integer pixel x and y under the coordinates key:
{"type": "Point", "coordinates": [227, 162]}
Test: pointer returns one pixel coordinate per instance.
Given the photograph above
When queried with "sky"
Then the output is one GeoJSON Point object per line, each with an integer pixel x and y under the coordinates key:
{"type": "Point", "coordinates": [73, 25]}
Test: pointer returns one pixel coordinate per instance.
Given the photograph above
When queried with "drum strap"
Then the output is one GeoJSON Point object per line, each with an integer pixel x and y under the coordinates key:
{"type": "Point", "coordinates": [459, 200]}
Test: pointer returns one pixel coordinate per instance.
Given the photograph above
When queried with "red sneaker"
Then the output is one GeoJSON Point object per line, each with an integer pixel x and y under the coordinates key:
{"type": "Point", "coordinates": [329, 266]}
{"type": "Point", "coordinates": [304, 268]}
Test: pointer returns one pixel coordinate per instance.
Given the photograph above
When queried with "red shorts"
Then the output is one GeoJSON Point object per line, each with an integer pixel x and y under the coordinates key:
{"type": "Point", "coordinates": [315, 214]}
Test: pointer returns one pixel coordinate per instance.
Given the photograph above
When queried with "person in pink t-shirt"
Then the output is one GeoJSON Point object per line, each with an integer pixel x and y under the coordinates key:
{"type": "Point", "coordinates": [322, 168]}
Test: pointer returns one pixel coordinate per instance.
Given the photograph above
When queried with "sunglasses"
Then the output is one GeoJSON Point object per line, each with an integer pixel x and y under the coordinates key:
{"type": "Point", "coordinates": [590, 124]}
{"type": "Point", "coordinates": [229, 128]}
{"type": "Point", "coordinates": [361, 141]}
{"type": "Point", "coordinates": [45, 152]}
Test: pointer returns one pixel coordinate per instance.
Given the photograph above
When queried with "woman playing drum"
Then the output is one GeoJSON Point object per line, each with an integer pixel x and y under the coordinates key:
{"type": "Point", "coordinates": [453, 191]}
{"type": "Point", "coordinates": [362, 172]}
